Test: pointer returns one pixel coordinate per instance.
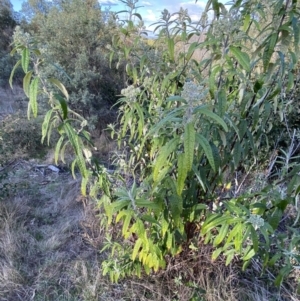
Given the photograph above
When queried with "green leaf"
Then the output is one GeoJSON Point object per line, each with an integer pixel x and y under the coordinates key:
{"type": "Point", "coordinates": [242, 57]}
{"type": "Point", "coordinates": [222, 234]}
{"type": "Point", "coordinates": [60, 86]}
{"type": "Point", "coordinates": [26, 82]}
{"type": "Point", "coordinates": [193, 46]}
{"type": "Point", "coordinates": [136, 248]}
{"type": "Point", "coordinates": [33, 91]}
{"type": "Point", "coordinates": [63, 104]}
{"type": "Point", "coordinates": [147, 204]}
{"type": "Point", "coordinates": [249, 255]}
{"type": "Point", "coordinates": [213, 116]}
{"type": "Point", "coordinates": [229, 256]}
{"type": "Point", "coordinates": [83, 186]}
{"type": "Point", "coordinates": [282, 273]}
{"type": "Point", "coordinates": [175, 203]}
{"type": "Point", "coordinates": [141, 119]}
{"type": "Point", "coordinates": [216, 253]}
{"type": "Point", "coordinates": [57, 148]}
{"type": "Point", "coordinates": [126, 223]}
{"type": "Point", "coordinates": [46, 123]}
{"type": "Point", "coordinates": [275, 218]}
{"type": "Point", "coordinates": [176, 98]}
{"type": "Point", "coordinates": [74, 140]}
{"type": "Point", "coordinates": [212, 80]}
{"type": "Point", "coordinates": [164, 153]}
{"type": "Point", "coordinates": [247, 19]}
{"type": "Point", "coordinates": [269, 50]}
{"type": "Point", "coordinates": [149, 219]}
{"type": "Point", "coordinates": [171, 48]}
{"type": "Point", "coordinates": [207, 226]}
{"type": "Point", "coordinates": [189, 145]}
{"type": "Point", "coordinates": [169, 240]}
{"type": "Point", "coordinates": [137, 15]}
{"type": "Point", "coordinates": [237, 151]}
{"type": "Point", "coordinates": [236, 229]}
{"type": "Point", "coordinates": [222, 102]}
{"type": "Point", "coordinates": [13, 72]}
{"type": "Point", "coordinates": [199, 178]}
{"type": "Point", "coordinates": [25, 59]}
{"type": "Point", "coordinates": [207, 150]}
{"type": "Point", "coordinates": [182, 173]}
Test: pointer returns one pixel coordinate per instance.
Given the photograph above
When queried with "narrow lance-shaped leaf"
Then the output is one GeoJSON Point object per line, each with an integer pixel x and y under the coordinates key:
{"type": "Point", "coordinates": [189, 145]}
{"type": "Point", "coordinates": [57, 148]}
{"type": "Point", "coordinates": [182, 173]}
{"type": "Point", "coordinates": [60, 86]}
{"type": "Point", "coordinates": [77, 146]}
{"type": "Point", "coordinates": [163, 155]}
{"type": "Point", "coordinates": [26, 83]}
{"type": "Point", "coordinates": [222, 234]}
{"type": "Point", "coordinates": [192, 49]}
{"type": "Point", "coordinates": [63, 105]}
{"type": "Point", "coordinates": [212, 80]}
{"type": "Point", "coordinates": [33, 91]}
{"type": "Point", "coordinates": [46, 123]}
{"type": "Point", "coordinates": [13, 72]}
{"type": "Point", "coordinates": [207, 150]}
{"type": "Point", "coordinates": [213, 116]}
{"type": "Point", "coordinates": [222, 102]}
{"type": "Point", "coordinates": [242, 57]}
{"type": "Point", "coordinates": [176, 208]}
{"type": "Point", "coordinates": [269, 50]}
{"type": "Point", "coordinates": [136, 248]}
{"type": "Point", "coordinates": [25, 59]}
{"type": "Point", "coordinates": [171, 48]}
{"type": "Point", "coordinates": [84, 182]}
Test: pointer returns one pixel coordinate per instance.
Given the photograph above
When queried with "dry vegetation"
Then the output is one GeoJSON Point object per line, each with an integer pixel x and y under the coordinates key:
{"type": "Point", "coordinates": [50, 242]}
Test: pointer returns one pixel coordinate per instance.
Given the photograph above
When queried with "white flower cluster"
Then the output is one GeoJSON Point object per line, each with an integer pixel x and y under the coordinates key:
{"type": "Point", "coordinates": [193, 93]}
{"type": "Point", "coordinates": [20, 37]}
{"type": "Point", "coordinates": [256, 220]}
{"type": "Point", "coordinates": [147, 82]}
{"type": "Point", "coordinates": [131, 92]}
{"type": "Point", "coordinates": [228, 25]}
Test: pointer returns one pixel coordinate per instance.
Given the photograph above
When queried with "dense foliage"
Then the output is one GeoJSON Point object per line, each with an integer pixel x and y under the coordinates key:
{"type": "Point", "coordinates": [74, 36]}
{"type": "Point", "coordinates": [190, 132]}
{"type": "Point", "coordinates": [7, 25]}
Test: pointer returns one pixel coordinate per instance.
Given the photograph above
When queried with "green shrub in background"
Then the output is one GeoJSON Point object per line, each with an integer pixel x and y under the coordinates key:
{"type": "Point", "coordinates": [186, 134]}
{"type": "Point", "coordinates": [7, 25]}
{"type": "Point", "coordinates": [74, 36]}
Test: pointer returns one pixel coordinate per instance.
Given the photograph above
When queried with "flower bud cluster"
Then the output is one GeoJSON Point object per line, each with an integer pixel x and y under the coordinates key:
{"type": "Point", "coordinates": [131, 93]}
{"type": "Point", "coordinates": [192, 92]}
{"type": "Point", "coordinates": [256, 220]}
{"type": "Point", "coordinates": [230, 25]}
{"type": "Point", "coordinates": [20, 37]}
